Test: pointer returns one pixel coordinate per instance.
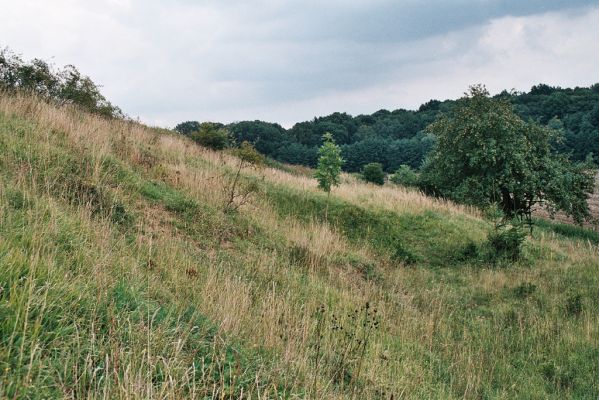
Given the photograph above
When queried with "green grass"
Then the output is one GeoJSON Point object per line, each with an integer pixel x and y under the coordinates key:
{"type": "Point", "coordinates": [116, 281]}
{"type": "Point", "coordinates": [427, 238]}
{"type": "Point", "coordinates": [568, 230]}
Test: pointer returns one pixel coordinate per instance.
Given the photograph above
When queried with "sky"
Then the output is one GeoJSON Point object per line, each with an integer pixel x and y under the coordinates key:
{"type": "Point", "coordinates": [287, 61]}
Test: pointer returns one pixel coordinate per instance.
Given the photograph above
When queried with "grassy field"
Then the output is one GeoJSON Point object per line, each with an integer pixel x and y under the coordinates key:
{"type": "Point", "coordinates": [121, 276]}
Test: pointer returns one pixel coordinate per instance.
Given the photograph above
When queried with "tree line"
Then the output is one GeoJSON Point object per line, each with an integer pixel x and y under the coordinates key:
{"type": "Point", "coordinates": [399, 137]}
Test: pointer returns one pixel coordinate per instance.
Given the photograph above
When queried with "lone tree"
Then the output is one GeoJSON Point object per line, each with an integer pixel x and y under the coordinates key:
{"type": "Point", "coordinates": [485, 154]}
{"type": "Point", "coordinates": [329, 166]}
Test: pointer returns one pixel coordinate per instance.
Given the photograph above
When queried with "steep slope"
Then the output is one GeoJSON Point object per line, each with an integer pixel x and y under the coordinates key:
{"type": "Point", "coordinates": [122, 277]}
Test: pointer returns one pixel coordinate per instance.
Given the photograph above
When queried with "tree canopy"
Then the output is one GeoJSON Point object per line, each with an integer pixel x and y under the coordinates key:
{"type": "Point", "coordinates": [62, 86]}
{"type": "Point", "coordinates": [486, 154]}
{"type": "Point", "coordinates": [399, 137]}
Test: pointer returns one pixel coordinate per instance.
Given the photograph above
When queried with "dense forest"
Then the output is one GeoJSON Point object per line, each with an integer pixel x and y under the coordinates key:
{"type": "Point", "coordinates": [398, 137]}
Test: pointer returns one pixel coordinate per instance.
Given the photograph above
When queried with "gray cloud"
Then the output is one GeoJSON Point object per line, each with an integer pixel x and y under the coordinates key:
{"type": "Point", "coordinates": [291, 60]}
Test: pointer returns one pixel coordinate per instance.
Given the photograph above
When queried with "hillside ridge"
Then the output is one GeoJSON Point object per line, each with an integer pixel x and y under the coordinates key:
{"type": "Point", "coordinates": [123, 276]}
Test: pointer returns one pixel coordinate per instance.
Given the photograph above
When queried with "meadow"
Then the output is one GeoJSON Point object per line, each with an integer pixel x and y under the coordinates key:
{"type": "Point", "coordinates": [122, 276]}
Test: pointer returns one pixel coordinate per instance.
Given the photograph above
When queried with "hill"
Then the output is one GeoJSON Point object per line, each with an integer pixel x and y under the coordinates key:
{"type": "Point", "coordinates": [122, 276]}
{"type": "Point", "coordinates": [399, 137]}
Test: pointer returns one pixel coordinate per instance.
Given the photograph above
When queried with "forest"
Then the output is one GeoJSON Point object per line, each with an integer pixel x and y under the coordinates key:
{"type": "Point", "coordinates": [395, 138]}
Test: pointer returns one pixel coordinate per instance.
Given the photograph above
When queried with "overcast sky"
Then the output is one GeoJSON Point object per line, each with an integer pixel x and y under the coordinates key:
{"type": "Point", "coordinates": [287, 61]}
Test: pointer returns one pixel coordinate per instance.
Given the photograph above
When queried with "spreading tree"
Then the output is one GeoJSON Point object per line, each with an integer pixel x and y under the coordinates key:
{"type": "Point", "coordinates": [485, 154]}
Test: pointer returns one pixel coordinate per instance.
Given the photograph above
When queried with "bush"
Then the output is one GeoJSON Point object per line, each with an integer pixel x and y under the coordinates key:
{"type": "Point", "coordinates": [211, 136]}
{"type": "Point", "coordinates": [506, 243]}
{"type": "Point", "coordinates": [574, 304]}
{"type": "Point", "coordinates": [374, 173]}
{"type": "Point", "coordinates": [405, 176]}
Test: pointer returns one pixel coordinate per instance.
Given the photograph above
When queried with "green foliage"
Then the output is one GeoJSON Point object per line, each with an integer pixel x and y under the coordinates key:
{"type": "Point", "coordinates": [505, 243]}
{"type": "Point", "coordinates": [405, 176]}
{"type": "Point", "coordinates": [486, 154]}
{"type": "Point", "coordinates": [374, 173]}
{"type": "Point", "coordinates": [248, 154]}
{"type": "Point", "coordinates": [568, 230]}
{"type": "Point", "coordinates": [525, 290]}
{"type": "Point", "coordinates": [16, 199]}
{"type": "Point", "coordinates": [87, 310]}
{"type": "Point", "coordinates": [63, 86]}
{"type": "Point", "coordinates": [267, 138]}
{"type": "Point", "coordinates": [212, 135]}
{"type": "Point", "coordinates": [188, 127]}
{"type": "Point", "coordinates": [172, 199]}
{"type": "Point", "coordinates": [329, 166]}
{"type": "Point", "coordinates": [297, 153]}
{"type": "Point", "coordinates": [404, 254]}
{"type": "Point", "coordinates": [398, 137]}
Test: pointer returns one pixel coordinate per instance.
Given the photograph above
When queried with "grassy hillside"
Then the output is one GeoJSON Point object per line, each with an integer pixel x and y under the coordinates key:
{"type": "Point", "coordinates": [122, 277]}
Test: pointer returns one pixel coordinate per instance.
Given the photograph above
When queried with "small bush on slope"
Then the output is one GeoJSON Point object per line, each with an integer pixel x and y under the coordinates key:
{"type": "Point", "coordinates": [374, 173]}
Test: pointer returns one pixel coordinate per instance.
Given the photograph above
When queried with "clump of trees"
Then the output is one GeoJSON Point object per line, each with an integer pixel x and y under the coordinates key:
{"type": "Point", "coordinates": [61, 86]}
{"type": "Point", "coordinates": [486, 154]}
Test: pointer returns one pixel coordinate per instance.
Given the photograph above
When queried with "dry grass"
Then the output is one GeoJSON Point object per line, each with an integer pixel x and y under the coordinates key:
{"type": "Point", "coordinates": [593, 203]}
{"type": "Point", "coordinates": [454, 332]}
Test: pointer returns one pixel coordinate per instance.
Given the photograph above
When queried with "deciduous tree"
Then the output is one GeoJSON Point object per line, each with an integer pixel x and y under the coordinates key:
{"type": "Point", "coordinates": [486, 154]}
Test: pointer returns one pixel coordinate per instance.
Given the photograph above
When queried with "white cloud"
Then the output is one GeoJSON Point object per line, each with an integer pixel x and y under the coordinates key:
{"type": "Point", "coordinates": [289, 61]}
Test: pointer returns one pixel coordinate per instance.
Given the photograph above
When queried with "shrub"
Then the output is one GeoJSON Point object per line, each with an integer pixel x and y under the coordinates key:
{"type": "Point", "coordinates": [374, 173]}
{"type": "Point", "coordinates": [236, 193]}
{"type": "Point", "coordinates": [405, 176]}
{"type": "Point", "coordinates": [211, 136]}
{"type": "Point", "coordinates": [506, 243]}
{"type": "Point", "coordinates": [574, 304]}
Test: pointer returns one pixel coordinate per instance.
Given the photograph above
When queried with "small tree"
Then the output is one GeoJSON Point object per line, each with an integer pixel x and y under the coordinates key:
{"type": "Point", "coordinates": [373, 172]}
{"type": "Point", "coordinates": [329, 166]}
{"type": "Point", "coordinates": [236, 196]}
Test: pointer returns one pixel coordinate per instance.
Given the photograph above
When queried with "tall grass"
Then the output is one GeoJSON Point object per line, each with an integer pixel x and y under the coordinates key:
{"type": "Point", "coordinates": [122, 277]}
